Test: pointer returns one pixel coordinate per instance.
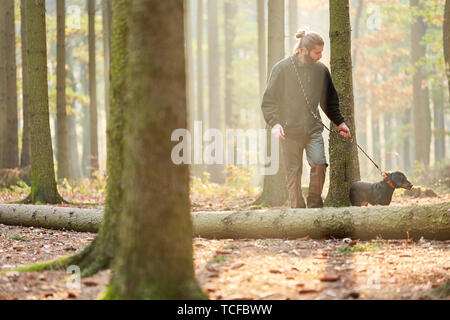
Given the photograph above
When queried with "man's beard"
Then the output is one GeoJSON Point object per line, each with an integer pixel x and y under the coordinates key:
{"type": "Point", "coordinates": [308, 59]}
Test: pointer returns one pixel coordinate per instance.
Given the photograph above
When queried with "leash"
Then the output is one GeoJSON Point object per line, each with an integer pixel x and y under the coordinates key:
{"type": "Point", "coordinates": [317, 117]}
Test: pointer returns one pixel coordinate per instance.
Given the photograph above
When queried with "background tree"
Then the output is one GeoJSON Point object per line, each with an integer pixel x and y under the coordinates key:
{"type": "Point", "coordinates": [25, 157]}
{"type": "Point", "coordinates": [446, 41]}
{"type": "Point", "coordinates": [230, 11]}
{"type": "Point", "coordinates": [293, 23]}
{"type": "Point", "coordinates": [3, 108]}
{"type": "Point", "coordinates": [43, 184]}
{"type": "Point", "coordinates": [154, 257]}
{"type": "Point", "coordinates": [344, 164]}
{"type": "Point", "coordinates": [107, 19]}
{"type": "Point", "coordinates": [215, 110]}
{"type": "Point", "coordinates": [421, 107]}
{"type": "Point", "coordinates": [62, 134]}
{"type": "Point", "coordinates": [274, 190]}
{"type": "Point", "coordinates": [92, 90]}
{"type": "Point", "coordinates": [11, 159]}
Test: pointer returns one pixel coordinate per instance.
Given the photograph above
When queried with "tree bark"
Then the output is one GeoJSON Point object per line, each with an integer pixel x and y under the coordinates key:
{"type": "Point", "coordinates": [446, 36]}
{"type": "Point", "coordinates": [215, 110]}
{"type": "Point", "coordinates": [63, 142]}
{"type": "Point", "coordinates": [107, 19]}
{"type": "Point", "coordinates": [293, 23]}
{"type": "Point", "coordinates": [262, 56]}
{"type": "Point", "coordinates": [439, 123]}
{"type": "Point", "coordinates": [3, 113]}
{"type": "Point", "coordinates": [154, 256]}
{"type": "Point", "coordinates": [92, 89]}
{"type": "Point", "coordinates": [230, 9]}
{"type": "Point", "coordinates": [421, 108]}
{"type": "Point", "coordinates": [43, 183]}
{"type": "Point", "coordinates": [344, 163]}
{"type": "Point", "coordinates": [11, 159]}
{"type": "Point", "coordinates": [365, 223]}
{"type": "Point", "coordinates": [25, 157]}
{"type": "Point", "coordinates": [274, 190]}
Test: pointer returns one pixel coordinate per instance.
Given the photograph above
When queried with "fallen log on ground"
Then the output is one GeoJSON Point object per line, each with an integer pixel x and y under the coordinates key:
{"type": "Point", "coordinates": [83, 220]}
{"type": "Point", "coordinates": [430, 222]}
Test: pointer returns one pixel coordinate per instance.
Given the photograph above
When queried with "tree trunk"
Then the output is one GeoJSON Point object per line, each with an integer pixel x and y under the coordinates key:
{"type": "Point", "coordinates": [25, 157]}
{"type": "Point", "coordinates": [3, 114]}
{"type": "Point", "coordinates": [439, 125]}
{"type": "Point", "coordinates": [293, 23]}
{"type": "Point", "coordinates": [230, 9]}
{"type": "Point", "coordinates": [154, 256]}
{"type": "Point", "coordinates": [215, 113]}
{"type": "Point", "coordinates": [359, 13]}
{"type": "Point", "coordinates": [446, 36]}
{"type": "Point", "coordinates": [199, 168]}
{"type": "Point", "coordinates": [421, 108]}
{"type": "Point", "coordinates": [12, 135]}
{"type": "Point", "coordinates": [107, 18]}
{"type": "Point", "coordinates": [63, 143]}
{"type": "Point", "coordinates": [75, 168]}
{"type": "Point", "coordinates": [85, 122]}
{"type": "Point", "coordinates": [344, 164]}
{"type": "Point", "coordinates": [43, 183]}
{"type": "Point", "coordinates": [406, 144]}
{"type": "Point", "coordinates": [274, 190]}
{"type": "Point", "coordinates": [364, 223]}
{"type": "Point", "coordinates": [92, 90]}
{"type": "Point", "coordinates": [262, 57]}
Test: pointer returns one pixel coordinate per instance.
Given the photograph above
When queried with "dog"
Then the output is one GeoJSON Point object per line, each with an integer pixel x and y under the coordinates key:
{"type": "Point", "coordinates": [380, 193]}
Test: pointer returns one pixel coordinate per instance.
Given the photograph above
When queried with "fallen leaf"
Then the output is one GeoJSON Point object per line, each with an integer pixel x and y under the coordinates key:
{"type": "Point", "coordinates": [237, 265]}
{"type": "Point", "coordinates": [90, 283]}
{"type": "Point", "coordinates": [329, 278]}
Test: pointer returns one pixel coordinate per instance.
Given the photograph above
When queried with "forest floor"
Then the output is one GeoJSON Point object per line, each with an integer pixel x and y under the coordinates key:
{"type": "Point", "coordinates": [241, 269]}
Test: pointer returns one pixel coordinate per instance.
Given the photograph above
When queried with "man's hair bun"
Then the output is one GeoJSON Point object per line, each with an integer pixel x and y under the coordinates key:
{"type": "Point", "coordinates": [300, 34]}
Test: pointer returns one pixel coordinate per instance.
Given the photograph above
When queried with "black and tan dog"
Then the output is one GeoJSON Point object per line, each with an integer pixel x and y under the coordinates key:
{"type": "Point", "coordinates": [380, 193]}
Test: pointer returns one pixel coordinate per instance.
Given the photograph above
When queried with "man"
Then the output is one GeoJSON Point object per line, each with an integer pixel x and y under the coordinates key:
{"type": "Point", "coordinates": [288, 109]}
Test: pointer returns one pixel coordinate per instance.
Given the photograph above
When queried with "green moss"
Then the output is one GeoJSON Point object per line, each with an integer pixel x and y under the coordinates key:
{"type": "Point", "coordinates": [109, 293]}
{"type": "Point", "coordinates": [43, 266]}
{"type": "Point", "coordinates": [442, 291]}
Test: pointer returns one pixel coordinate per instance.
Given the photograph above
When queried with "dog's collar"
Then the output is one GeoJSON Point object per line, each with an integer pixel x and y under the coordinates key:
{"type": "Point", "coordinates": [389, 182]}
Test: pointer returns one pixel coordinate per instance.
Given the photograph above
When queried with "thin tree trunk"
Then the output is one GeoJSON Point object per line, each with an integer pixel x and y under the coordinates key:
{"type": "Point", "coordinates": [25, 158]}
{"type": "Point", "coordinates": [92, 89]}
{"type": "Point", "coordinates": [75, 169]}
{"type": "Point", "coordinates": [421, 108]}
{"type": "Point", "coordinates": [446, 41]}
{"type": "Point", "coordinates": [12, 134]}
{"type": "Point", "coordinates": [344, 163]}
{"type": "Point", "coordinates": [85, 122]}
{"type": "Point", "coordinates": [63, 143]}
{"type": "Point", "coordinates": [43, 183]}
{"type": "Point", "coordinates": [407, 163]}
{"type": "Point", "coordinates": [293, 24]}
{"type": "Point", "coordinates": [3, 113]}
{"type": "Point", "coordinates": [215, 113]}
{"type": "Point", "coordinates": [274, 190]}
{"type": "Point", "coordinates": [262, 56]}
{"type": "Point", "coordinates": [357, 28]}
{"type": "Point", "coordinates": [107, 18]}
{"type": "Point", "coordinates": [230, 9]}
{"type": "Point", "coordinates": [199, 168]}
{"type": "Point", "coordinates": [439, 125]}
{"type": "Point", "coordinates": [154, 256]}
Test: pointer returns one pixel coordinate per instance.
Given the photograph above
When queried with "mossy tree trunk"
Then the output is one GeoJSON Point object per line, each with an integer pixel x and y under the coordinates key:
{"type": "Point", "coordinates": [43, 183]}
{"type": "Point", "coordinates": [274, 190]}
{"type": "Point", "coordinates": [106, 14]}
{"type": "Point", "coordinates": [25, 157]}
{"type": "Point", "coordinates": [3, 149]}
{"type": "Point", "coordinates": [98, 255]}
{"type": "Point", "coordinates": [92, 89]}
{"type": "Point", "coordinates": [344, 164]}
{"type": "Point", "coordinates": [11, 159]}
{"type": "Point", "coordinates": [154, 256]}
{"type": "Point", "coordinates": [62, 134]}
{"type": "Point", "coordinates": [262, 64]}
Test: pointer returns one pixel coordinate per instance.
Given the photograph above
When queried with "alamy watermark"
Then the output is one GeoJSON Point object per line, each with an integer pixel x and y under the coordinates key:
{"type": "Point", "coordinates": [238, 147]}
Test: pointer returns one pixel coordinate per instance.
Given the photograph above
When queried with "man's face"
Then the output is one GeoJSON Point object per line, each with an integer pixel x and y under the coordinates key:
{"type": "Point", "coordinates": [314, 55]}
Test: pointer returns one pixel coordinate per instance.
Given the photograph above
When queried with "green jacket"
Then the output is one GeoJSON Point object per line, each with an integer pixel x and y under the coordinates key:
{"type": "Point", "coordinates": [284, 102]}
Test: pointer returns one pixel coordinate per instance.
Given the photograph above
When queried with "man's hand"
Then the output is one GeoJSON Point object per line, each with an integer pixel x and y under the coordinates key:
{"type": "Point", "coordinates": [344, 130]}
{"type": "Point", "coordinates": [278, 131]}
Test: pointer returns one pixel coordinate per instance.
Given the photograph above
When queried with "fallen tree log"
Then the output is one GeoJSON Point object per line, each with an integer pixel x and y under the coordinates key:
{"type": "Point", "coordinates": [83, 220]}
{"type": "Point", "coordinates": [430, 222]}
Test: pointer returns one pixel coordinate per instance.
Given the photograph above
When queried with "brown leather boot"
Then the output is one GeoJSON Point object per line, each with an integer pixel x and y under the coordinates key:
{"type": "Point", "coordinates": [294, 187]}
{"type": "Point", "coordinates": [316, 182]}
